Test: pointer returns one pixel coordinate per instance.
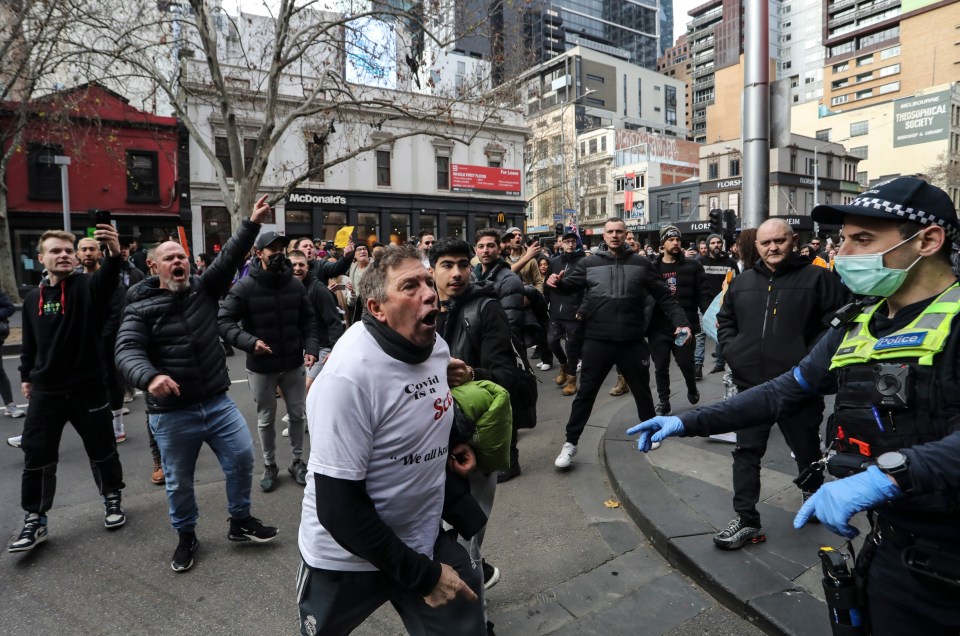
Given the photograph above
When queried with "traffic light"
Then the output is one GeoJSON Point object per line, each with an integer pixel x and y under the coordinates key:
{"type": "Point", "coordinates": [729, 225]}
{"type": "Point", "coordinates": [716, 222]}
{"type": "Point", "coordinates": [559, 229]}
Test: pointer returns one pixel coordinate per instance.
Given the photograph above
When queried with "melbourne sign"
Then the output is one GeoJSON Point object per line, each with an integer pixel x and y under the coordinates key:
{"type": "Point", "coordinates": [464, 178]}
{"type": "Point", "coordinates": [922, 118]}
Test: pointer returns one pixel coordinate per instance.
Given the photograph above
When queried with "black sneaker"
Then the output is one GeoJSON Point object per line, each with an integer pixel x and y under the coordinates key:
{"type": "Point", "coordinates": [250, 529]}
{"type": "Point", "coordinates": [663, 407]}
{"type": "Point", "coordinates": [113, 516]}
{"type": "Point", "coordinates": [183, 556]}
{"type": "Point", "coordinates": [33, 534]}
{"type": "Point", "coordinates": [698, 372]}
{"type": "Point", "coordinates": [491, 575]}
{"type": "Point", "coordinates": [269, 480]}
{"type": "Point", "coordinates": [693, 395]}
{"type": "Point", "coordinates": [298, 470]}
{"type": "Point", "coordinates": [804, 496]}
{"type": "Point", "coordinates": [737, 534]}
{"type": "Point", "coordinates": [718, 368]}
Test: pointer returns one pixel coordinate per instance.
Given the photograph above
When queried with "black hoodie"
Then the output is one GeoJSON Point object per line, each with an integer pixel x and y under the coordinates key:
{"type": "Point", "coordinates": [564, 305]}
{"type": "Point", "coordinates": [770, 320]}
{"type": "Point", "coordinates": [61, 349]}
{"type": "Point", "coordinates": [273, 307]}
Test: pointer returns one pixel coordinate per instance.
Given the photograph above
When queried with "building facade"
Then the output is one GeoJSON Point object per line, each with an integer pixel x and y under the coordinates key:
{"type": "Point", "coordinates": [675, 63]}
{"type": "Point", "coordinates": [120, 159]}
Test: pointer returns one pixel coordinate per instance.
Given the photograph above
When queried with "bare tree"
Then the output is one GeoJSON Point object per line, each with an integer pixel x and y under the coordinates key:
{"type": "Point", "coordinates": [30, 52]}
{"type": "Point", "coordinates": [340, 83]}
{"type": "Point", "coordinates": [945, 173]}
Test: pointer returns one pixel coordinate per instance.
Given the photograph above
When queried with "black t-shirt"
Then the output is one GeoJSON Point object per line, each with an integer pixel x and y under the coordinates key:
{"type": "Point", "coordinates": [881, 325]}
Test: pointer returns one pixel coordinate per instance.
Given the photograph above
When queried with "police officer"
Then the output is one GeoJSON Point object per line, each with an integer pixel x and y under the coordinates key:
{"type": "Point", "coordinates": [892, 362]}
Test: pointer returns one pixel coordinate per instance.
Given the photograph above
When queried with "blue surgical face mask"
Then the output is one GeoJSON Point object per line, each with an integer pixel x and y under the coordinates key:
{"type": "Point", "coordinates": [866, 275]}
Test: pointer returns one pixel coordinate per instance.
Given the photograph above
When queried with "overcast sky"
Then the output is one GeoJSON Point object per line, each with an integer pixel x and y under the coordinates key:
{"type": "Point", "coordinates": [680, 17]}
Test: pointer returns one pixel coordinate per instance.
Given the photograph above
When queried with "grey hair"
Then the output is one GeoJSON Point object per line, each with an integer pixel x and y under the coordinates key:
{"type": "Point", "coordinates": [373, 283]}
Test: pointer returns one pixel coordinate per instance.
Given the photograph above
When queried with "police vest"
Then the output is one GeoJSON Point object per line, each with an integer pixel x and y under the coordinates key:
{"type": "Point", "coordinates": [891, 392]}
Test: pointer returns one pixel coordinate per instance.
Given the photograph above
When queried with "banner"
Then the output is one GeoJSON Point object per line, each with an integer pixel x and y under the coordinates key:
{"type": "Point", "coordinates": [921, 118]}
{"type": "Point", "coordinates": [466, 178]}
{"type": "Point", "coordinates": [628, 191]}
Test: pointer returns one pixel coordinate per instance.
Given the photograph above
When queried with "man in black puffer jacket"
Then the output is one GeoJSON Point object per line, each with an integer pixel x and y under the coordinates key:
{"type": "Point", "coordinates": [169, 347]}
{"type": "Point", "coordinates": [617, 285]}
{"type": "Point", "coordinates": [494, 268]}
{"type": "Point", "coordinates": [564, 316]}
{"type": "Point", "coordinates": [688, 283]}
{"type": "Point", "coordinates": [771, 317]}
{"type": "Point", "coordinates": [268, 315]}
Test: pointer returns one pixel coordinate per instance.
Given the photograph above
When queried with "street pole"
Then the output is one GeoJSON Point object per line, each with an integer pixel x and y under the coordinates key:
{"type": "Point", "coordinates": [756, 114]}
{"type": "Point", "coordinates": [64, 163]}
{"type": "Point", "coordinates": [816, 187]}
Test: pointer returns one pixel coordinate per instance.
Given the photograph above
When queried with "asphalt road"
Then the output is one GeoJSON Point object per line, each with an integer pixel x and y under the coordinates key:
{"type": "Point", "coordinates": [563, 555]}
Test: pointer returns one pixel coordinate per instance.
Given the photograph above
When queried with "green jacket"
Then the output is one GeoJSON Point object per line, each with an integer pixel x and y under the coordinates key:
{"type": "Point", "coordinates": [487, 405]}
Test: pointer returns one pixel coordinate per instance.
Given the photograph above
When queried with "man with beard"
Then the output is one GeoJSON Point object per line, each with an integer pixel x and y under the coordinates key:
{"type": "Point", "coordinates": [718, 267]}
{"type": "Point", "coordinates": [565, 319]}
{"type": "Point", "coordinates": [268, 315]}
{"type": "Point", "coordinates": [617, 283]}
{"type": "Point", "coordinates": [90, 255]}
{"type": "Point", "coordinates": [169, 347]}
{"type": "Point", "coordinates": [61, 372]}
{"type": "Point", "coordinates": [380, 426]}
{"type": "Point", "coordinates": [688, 283]}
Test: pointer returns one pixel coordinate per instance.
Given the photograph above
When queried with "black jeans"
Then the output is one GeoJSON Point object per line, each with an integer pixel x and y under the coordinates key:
{"type": "Point", "coordinates": [599, 356]}
{"type": "Point", "coordinates": [801, 431]}
{"type": "Point", "coordinates": [337, 602]}
{"type": "Point", "coordinates": [903, 602]}
{"type": "Point", "coordinates": [115, 383]}
{"type": "Point", "coordinates": [89, 412]}
{"type": "Point", "coordinates": [661, 345]}
{"type": "Point", "coordinates": [572, 330]}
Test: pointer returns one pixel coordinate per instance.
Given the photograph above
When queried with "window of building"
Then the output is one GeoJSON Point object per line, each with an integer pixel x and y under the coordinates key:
{"type": "Point", "coordinates": [383, 167]}
{"type": "Point", "coordinates": [862, 179]}
{"type": "Point", "coordinates": [841, 67]}
{"type": "Point", "coordinates": [810, 163]}
{"type": "Point", "coordinates": [865, 93]}
{"type": "Point", "coordinates": [443, 172]}
{"type": "Point", "coordinates": [216, 228]}
{"type": "Point", "coordinates": [618, 210]}
{"type": "Point", "coordinates": [864, 60]}
{"type": "Point", "coordinates": [859, 128]}
{"type": "Point", "coordinates": [249, 152]}
{"type": "Point", "coordinates": [830, 167]}
{"type": "Point", "coordinates": [43, 175]}
{"type": "Point", "coordinates": [859, 151]}
{"type": "Point", "coordinates": [595, 78]}
{"type": "Point", "coordinates": [670, 102]}
{"type": "Point", "coordinates": [734, 167]}
{"type": "Point", "coordinates": [592, 146]}
{"type": "Point", "coordinates": [824, 135]}
{"type": "Point", "coordinates": [713, 170]}
{"type": "Point", "coordinates": [603, 144]}
{"type": "Point", "coordinates": [399, 229]}
{"type": "Point", "coordinates": [583, 148]}
{"type": "Point", "coordinates": [592, 207]}
{"type": "Point", "coordinates": [793, 161]}
{"type": "Point", "coordinates": [886, 54]}
{"type": "Point", "coordinates": [315, 161]}
{"type": "Point", "coordinates": [886, 71]}
{"type": "Point", "coordinates": [143, 177]}
{"type": "Point", "coordinates": [603, 206]}
{"type": "Point", "coordinates": [222, 150]}
{"type": "Point", "coordinates": [494, 163]}
{"type": "Point", "coordinates": [839, 99]}
{"type": "Point", "coordinates": [865, 77]}
{"type": "Point", "coordinates": [892, 87]}
{"type": "Point", "coordinates": [713, 203]}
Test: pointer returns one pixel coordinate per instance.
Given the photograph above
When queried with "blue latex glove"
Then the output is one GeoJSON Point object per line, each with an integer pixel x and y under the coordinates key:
{"type": "Point", "coordinates": [656, 430]}
{"type": "Point", "coordinates": [835, 502]}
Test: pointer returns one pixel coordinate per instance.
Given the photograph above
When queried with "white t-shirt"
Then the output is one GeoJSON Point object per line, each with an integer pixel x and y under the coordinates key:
{"type": "Point", "coordinates": [374, 417]}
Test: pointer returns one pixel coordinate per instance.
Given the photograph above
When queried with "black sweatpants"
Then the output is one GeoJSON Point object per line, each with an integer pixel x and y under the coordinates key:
{"type": "Point", "coordinates": [48, 413]}
{"type": "Point", "coordinates": [661, 345]}
{"type": "Point", "coordinates": [903, 602]}
{"type": "Point", "coordinates": [337, 602]}
{"type": "Point", "coordinates": [599, 356]}
{"type": "Point", "coordinates": [801, 430]}
{"type": "Point", "coordinates": [572, 331]}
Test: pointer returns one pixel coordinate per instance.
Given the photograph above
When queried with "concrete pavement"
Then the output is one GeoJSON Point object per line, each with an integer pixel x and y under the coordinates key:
{"type": "Point", "coordinates": [569, 564]}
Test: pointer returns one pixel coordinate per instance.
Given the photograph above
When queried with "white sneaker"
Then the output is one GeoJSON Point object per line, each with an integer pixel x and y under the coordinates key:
{"type": "Point", "coordinates": [730, 438]}
{"type": "Point", "coordinates": [14, 441]}
{"type": "Point", "coordinates": [580, 366]}
{"type": "Point", "coordinates": [544, 366]}
{"type": "Point", "coordinates": [286, 418]}
{"type": "Point", "coordinates": [654, 445]}
{"type": "Point", "coordinates": [566, 455]}
{"type": "Point", "coordinates": [12, 410]}
{"type": "Point", "coordinates": [124, 411]}
{"type": "Point", "coordinates": [285, 432]}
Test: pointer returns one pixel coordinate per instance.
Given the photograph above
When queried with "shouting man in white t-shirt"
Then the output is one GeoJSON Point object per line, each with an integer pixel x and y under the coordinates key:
{"type": "Point", "coordinates": [380, 415]}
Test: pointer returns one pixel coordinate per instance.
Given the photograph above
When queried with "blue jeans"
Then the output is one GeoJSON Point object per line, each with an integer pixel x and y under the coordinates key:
{"type": "Point", "coordinates": [180, 434]}
{"type": "Point", "coordinates": [700, 351]}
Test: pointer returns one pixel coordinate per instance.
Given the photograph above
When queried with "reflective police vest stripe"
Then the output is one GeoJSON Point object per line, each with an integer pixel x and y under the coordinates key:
{"type": "Point", "coordinates": [922, 339]}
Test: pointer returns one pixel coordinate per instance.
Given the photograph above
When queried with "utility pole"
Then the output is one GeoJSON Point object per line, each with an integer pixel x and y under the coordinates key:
{"type": "Point", "coordinates": [756, 114]}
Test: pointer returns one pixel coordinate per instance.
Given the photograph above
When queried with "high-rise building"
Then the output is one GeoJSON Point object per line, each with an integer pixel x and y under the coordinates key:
{"type": "Point", "coordinates": [675, 62]}
{"type": "Point", "coordinates": [666, 25]}
{"type": "Point", "coordinates": [800, 52]}
{"type": "Point", "coordinates": [716, 42]}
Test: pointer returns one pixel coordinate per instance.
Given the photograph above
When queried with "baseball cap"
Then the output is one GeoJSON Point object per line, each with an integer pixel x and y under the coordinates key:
{"type": "Point", "coordinates": [569, 234]}
{"type": "Point", "coordinates": [900, 199]}
{"type": "Point", "coordinates": [511, 230]}
{"type": "Point", "coordinates": [670, 231]}
{"type": "Point", "coordinates": [267, 238]}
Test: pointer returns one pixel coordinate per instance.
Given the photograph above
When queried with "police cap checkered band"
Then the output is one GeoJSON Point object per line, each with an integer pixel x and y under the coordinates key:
{"type": "Point", "coordinates": [903, 198]}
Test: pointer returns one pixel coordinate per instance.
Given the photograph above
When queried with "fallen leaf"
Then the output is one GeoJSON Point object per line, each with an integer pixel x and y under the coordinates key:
{"type": "Point", "coordinates": [611, 503]}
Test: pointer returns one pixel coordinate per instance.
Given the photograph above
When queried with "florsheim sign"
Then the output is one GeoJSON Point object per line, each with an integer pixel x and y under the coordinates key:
{"type": "Point", "coordinates": [921, 118]}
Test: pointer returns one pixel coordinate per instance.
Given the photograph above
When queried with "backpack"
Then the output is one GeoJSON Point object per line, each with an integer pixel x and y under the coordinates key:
{"type": "Point", "coordinates": [523, 397]}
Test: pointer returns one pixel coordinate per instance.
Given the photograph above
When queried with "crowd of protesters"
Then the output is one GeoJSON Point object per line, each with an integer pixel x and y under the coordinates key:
{"type": "Point", "coordinates": [410, 433]}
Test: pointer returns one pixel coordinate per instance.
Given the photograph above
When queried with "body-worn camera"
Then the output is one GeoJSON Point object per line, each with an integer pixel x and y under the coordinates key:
{"type": "Point", "coordinates": [893, 385]}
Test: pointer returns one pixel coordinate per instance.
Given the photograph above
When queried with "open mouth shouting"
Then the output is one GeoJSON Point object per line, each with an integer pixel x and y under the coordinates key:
{"type": "Point", "coordinates": [430, 320]}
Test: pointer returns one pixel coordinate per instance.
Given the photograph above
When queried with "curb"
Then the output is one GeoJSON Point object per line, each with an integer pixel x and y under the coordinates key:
{"type": "Point", "coordinates": [743, 583]}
